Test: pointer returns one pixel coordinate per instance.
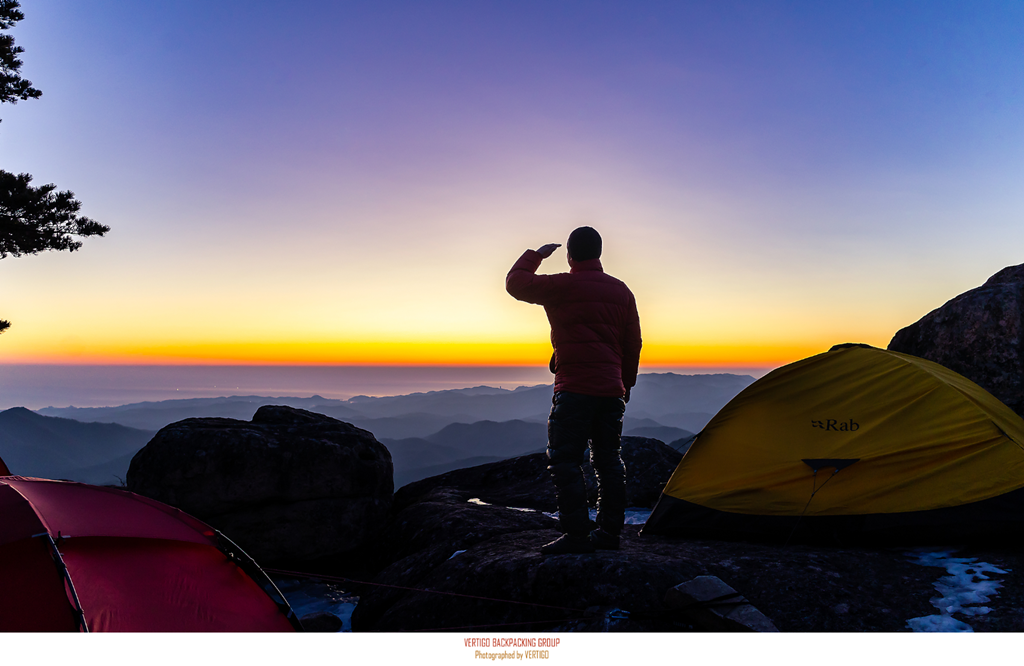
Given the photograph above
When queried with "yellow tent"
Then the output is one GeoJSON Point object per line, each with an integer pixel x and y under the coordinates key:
{"type": "Point", "coordinates": [854, 443]}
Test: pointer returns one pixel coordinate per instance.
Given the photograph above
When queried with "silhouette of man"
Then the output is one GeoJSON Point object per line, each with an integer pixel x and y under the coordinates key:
{"type": "Point", "coordinates": [595, 332]}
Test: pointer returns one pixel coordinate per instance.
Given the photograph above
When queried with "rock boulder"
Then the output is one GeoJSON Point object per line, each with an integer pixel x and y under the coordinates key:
{"type": "Point", "coordinates": [289, 486]}
{"type": "Point", "coordinates": [978, 334]}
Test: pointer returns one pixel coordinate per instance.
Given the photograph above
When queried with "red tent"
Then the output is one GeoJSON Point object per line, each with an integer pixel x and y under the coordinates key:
{"type": "Point", "coordinates": [75, 557]}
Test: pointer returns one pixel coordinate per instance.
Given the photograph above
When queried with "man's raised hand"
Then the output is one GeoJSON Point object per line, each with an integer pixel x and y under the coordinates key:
{"type": "Point", "coordinates": [546, 251]}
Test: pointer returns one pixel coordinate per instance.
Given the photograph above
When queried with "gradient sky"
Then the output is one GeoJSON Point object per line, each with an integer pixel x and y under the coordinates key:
{"type": "Point", "coordinates": [349, 182]}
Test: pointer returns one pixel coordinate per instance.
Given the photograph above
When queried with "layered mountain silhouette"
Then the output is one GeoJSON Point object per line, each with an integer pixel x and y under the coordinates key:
{"type": "Point", "coordinates": [680, 401]}
{"type": "Point", "coordinates": [57, 448]}
{"type": "Point", "coordinates": [427, 433]}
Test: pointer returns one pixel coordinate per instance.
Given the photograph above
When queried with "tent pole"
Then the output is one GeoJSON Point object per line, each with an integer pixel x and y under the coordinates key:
{"type": "Point", "coordinates": [256, 572]}
{"type": "Point", "coordinates": [66, 577]}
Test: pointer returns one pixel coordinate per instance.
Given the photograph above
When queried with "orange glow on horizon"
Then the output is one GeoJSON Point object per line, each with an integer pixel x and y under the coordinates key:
{"type": "Point", "coordinates": [363, 353]}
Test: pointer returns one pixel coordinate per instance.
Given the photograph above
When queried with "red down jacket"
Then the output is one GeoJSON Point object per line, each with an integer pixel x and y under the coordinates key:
{"type": "Point", "coordinates": [595, 328]}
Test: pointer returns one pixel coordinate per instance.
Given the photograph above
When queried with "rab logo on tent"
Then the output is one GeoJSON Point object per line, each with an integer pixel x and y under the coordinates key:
{"type": "Point", "coordinates": [833, 424]}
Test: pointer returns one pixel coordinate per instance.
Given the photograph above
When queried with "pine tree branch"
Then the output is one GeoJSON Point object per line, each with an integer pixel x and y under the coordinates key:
{"type": "Point", "coordinates": [34, 219]}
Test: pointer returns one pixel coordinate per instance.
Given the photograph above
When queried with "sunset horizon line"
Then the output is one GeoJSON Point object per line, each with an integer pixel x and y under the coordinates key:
{"type": "Point", "coordinates": [415, 354]}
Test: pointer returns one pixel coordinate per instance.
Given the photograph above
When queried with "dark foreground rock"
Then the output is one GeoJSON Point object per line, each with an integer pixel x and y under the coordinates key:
{"type": "Point", "coordinates": [472, 577]}
{"type": "Point", "coordinates": [289, 486]}
{"type": "Point", "coordinates": [458, 565]}
{"type": "Point", "coordinates": [978, 334]}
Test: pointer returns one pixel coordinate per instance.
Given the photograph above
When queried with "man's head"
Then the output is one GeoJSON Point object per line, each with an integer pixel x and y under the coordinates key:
{"type": "Point", "coordinates": [584, 243]}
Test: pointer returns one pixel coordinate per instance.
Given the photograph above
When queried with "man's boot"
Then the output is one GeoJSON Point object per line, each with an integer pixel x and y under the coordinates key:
{"type": "Point", "coordinates": [604, 540]}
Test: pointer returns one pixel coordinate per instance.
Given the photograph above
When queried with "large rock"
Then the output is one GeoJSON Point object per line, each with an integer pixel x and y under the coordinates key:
{"type": "Point", "coordinates": [977, 334]}
{"type": "Point", "coordinates": [289, 486]}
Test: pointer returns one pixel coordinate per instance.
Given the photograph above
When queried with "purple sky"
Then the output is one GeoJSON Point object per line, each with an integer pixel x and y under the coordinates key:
{"type": "Point", "coordinates": [354, 178]}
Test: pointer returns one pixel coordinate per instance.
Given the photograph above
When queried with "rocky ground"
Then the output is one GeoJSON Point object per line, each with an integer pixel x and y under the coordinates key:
{"type": "Point", "coordinates": [459, 565]}
{"type": "Point", "coordinates": [800, 588]}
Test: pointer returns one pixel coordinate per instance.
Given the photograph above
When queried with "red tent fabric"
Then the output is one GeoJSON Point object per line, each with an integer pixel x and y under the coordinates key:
{"type": "Point", "coordinates": [133, 564]}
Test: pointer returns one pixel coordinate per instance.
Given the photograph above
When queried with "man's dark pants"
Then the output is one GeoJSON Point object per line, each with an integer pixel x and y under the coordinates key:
{"type": "Point", "coordinates": [576, 419]}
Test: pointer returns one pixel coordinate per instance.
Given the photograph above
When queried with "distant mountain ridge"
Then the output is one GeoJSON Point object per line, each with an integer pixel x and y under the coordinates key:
{"type": "Point", "coordinates": [461, 445]}
{"type": "Point", "coordinates": [457, 444]}
{"type": "Point", "coordinates": [680, 401]}
{"type": "Point", "coordinates": [59, 448]}
{"type": "Point", "coordinates": [427, 433]}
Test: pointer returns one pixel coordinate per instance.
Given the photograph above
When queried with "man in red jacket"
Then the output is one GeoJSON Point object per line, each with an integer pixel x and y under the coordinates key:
{"type": "Point", "coordinates": [595, 331]}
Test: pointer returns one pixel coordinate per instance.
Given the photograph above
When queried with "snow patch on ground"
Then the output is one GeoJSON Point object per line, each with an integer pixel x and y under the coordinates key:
{"type": "Point", "coordinates": [480, 502]}
{"type": "Point", "coordinates": [967, 585]}
{"type": "Point", "coordinates": [637, 516]}
{"type": "Point", "coordinates": [309, 595]}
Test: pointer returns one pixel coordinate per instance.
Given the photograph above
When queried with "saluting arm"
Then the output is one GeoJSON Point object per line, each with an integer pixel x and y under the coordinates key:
{"type": "Point", "coordinates": [522, 281]}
